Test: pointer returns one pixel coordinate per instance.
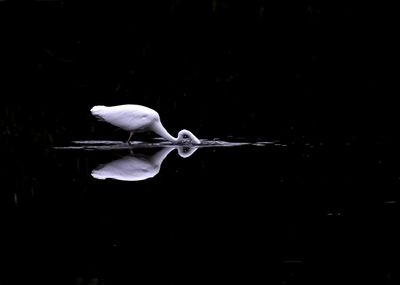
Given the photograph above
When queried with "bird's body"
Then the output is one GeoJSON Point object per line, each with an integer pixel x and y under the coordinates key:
{"type": "Point", "coordinates": [138, 118]}
{"type": "Point", "coordinates": [131, 118]}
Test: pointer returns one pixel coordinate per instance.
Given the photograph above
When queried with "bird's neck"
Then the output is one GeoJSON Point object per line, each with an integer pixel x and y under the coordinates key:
{"type": "Point", "coordinates": [161, 131]}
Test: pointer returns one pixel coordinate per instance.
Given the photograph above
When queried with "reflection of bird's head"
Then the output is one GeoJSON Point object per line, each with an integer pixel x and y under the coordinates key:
{"type": "Point", "coordinates": [186, 151]}
{"type": "Point", "coordinates": [187, 137]}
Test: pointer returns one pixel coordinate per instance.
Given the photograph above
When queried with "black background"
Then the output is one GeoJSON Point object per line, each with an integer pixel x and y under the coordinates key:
{"type": "Point", "coordinates": [241, 68]}
{"type": "Point", "coordinates": [235, 70]}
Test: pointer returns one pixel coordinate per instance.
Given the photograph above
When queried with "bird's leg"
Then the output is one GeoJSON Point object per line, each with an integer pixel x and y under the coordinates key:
{"type": "Point", "coordinates": [130, 136]}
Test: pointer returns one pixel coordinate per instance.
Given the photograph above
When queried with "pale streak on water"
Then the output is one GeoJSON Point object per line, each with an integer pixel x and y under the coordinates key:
{"type": "Point", "coordinates": [117, 145]}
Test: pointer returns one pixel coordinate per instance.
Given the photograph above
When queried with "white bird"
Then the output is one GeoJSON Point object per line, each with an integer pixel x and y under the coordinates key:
{"type": "Point", "coordinates": [137, 118]}
{"type": "Point", "coordinates": [138, 167]}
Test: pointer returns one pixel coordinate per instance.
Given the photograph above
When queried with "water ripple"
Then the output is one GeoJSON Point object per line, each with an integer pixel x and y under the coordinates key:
{"type": "Point", "coordinates": [117, 145]}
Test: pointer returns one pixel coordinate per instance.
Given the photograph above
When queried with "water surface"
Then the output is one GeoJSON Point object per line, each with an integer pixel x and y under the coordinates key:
{"type": "Point", "coordinates": [219, 213]}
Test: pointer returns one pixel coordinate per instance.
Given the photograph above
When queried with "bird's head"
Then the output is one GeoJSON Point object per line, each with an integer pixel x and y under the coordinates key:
{"type": "Point", "coordinates": [186, 137]}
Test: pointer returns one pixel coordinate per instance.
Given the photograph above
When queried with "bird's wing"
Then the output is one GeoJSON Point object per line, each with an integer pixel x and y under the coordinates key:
{"type": "Point", "coordinates": [130, 118]}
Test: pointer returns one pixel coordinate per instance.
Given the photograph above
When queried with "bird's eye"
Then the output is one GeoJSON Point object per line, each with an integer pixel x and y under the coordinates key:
{"type": "Point", "coordinates": [185, 136]}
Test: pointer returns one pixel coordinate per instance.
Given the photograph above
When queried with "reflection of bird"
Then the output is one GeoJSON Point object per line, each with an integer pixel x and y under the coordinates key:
{"type": "Point", "coordinates": [138, 167]}
{"type": "Point", "coordinates": [137, 118]}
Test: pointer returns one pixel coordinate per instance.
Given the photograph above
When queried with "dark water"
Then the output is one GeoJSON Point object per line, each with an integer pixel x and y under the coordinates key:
{"type": "Point", "coordinates": [223, 213]}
